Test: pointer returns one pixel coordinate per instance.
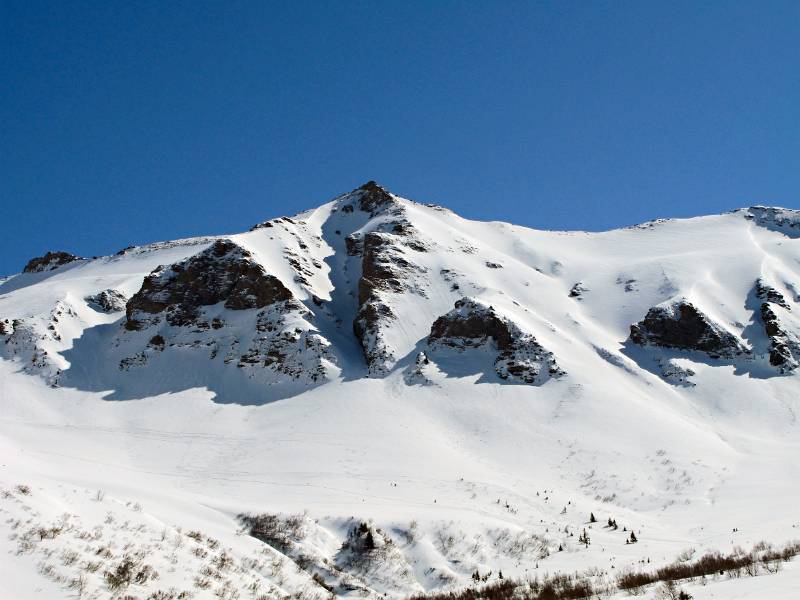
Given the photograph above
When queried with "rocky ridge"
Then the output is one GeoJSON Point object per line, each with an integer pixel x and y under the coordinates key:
{"type": "Point", "coordinates": [49, 262]}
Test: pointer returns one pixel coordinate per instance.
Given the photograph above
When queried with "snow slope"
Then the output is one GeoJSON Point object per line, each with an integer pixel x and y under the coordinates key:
{"type": "Point", "coordinates": [333, 404]}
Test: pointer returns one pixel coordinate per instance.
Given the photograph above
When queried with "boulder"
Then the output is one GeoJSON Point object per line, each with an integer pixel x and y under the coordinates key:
{"type": "Point", "coordinates": [108, 301]}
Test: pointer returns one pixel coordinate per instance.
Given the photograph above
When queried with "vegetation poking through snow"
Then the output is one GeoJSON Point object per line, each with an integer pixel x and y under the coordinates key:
{"type": "Point", "coordinates": [763, 558]}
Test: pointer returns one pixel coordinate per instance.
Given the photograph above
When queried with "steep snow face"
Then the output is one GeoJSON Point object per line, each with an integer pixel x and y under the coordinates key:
{"type": "Point", "coordinates": [468, 391]}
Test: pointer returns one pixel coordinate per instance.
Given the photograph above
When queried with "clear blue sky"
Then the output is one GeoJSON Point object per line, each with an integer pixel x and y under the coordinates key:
{"type": "Point", "coordinates": [129, 122]}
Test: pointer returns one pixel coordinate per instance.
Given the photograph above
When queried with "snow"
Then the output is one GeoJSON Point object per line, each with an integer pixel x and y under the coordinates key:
{"type": "Point", "coordinates": [482, 467]}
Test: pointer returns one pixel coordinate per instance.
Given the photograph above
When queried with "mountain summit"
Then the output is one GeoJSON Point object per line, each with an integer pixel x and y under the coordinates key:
{"type": "Point", "coordinates": [265, 314]}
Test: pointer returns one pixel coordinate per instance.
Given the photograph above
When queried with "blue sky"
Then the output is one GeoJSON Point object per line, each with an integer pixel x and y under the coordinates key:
{"type": "Point", "coordinates": [124, 123]}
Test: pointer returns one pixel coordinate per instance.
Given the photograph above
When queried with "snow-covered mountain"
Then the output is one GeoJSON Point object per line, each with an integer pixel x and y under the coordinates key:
{"type": "Point", "coordinates": [439, 395]}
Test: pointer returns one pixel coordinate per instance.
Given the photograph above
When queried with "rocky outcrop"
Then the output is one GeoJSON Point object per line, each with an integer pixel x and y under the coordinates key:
{"type": "Point", "coordinates": [27, 342]}
{"type": "Point", "coordinates": [784, 347]}
{"type": "Point", "coordinates": [384, 271]}
{"type": "Point", "coordinates": [223, 273]}
{"type": "Point", "coordinates": [193, 306]}
{"type": "Point", "coordinates": [387, 267]}
{"type": "Point", "coordinates": [682, 326]}
{"type": "Point", "coordinates": [473, 324]}
{"type": "Point", "coordinates": [782, 220]}
{"type": "Point", "coordinates": [371, 197]}
{"type": "Point", "coordinates": [767, 293]}
{"type": "Point", "coordinates": [48, 262]}
{"type": "Point", "coordinates": [578, 290]}
{"type": "Point", "coordinates": [298, 352]}
{"type": "Point", "coordinates": [784, 344]}
{"type": "Point", "coordinates": [107, 301]}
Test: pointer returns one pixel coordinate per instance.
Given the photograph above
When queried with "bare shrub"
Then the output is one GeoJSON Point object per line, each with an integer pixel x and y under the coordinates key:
{"type": "Point", "coordinates": [279, 532]}
{"type": "Point", "coordinates": [129, 570]}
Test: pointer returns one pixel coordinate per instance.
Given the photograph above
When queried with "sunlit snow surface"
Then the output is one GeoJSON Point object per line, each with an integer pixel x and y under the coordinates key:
{"type": "Point", "coordinates": [482, 467]}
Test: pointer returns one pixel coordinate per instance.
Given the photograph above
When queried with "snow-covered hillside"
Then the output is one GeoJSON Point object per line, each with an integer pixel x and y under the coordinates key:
{"type": "Point", "coordinates": [403, 397]}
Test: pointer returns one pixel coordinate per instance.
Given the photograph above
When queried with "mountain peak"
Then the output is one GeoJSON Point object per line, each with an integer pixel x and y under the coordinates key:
{"type": "Point", "coordinates": [371, 197]}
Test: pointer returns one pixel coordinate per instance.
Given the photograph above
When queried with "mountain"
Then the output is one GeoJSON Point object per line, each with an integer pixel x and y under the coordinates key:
{"type": "Point", "coordinates": [389, 397]}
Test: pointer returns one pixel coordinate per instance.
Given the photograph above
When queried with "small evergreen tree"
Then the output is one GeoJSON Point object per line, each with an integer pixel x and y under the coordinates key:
{"type": "Point", "coordinates": [592, 518]}
{"type": "Point", "coordinates": [584, 538]}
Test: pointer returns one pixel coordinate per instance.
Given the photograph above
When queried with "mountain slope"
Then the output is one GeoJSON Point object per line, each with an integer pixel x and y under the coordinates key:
{"type": "Point", "coordinates": [376, 358]}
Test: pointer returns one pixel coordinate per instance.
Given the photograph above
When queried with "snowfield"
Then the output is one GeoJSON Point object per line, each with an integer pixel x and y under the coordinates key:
{"type": "Point", "coordinates": [138, 429]}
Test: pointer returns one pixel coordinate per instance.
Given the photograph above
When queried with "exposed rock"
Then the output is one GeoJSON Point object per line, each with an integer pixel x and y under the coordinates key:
{"type": "Point", "coordinates": [473, 324]}
{"type": "Point", "coordinates": [262, 225]}
{"type": "Point", "coordinates": [108, 301]}
{"type": "Point", "coordinates": [25, 341]}
{"type": "Point", "coordinates": [48, 262]}
{"type": "Point", "coordinates": [676, 374]}
{"type": "Point", "coordinates": [681, 325]}
{"type": "Point", "coordinates": [629, 283]}
{"type": "Point", "coordinates": [782, 220]}
{"type": "Point", "coordinates": [354, 243]}
{"type": "Point", "coordinates": [493, 265]}
{"type": "Point", "coordinates": [784, 349]}
{"type": "Point", "coordinates": [383, 270]}
{"type": "Point", "coordinates": [286, 348]}
{"type": "Point", "coordinates": [578, 290]}
{"type": "Point", "coordinates": [768, 293]}
{"type": "Point", "coordinates": [383, 266]}
{"type": "Point", "coordinates": [185, 307]}
{"type": "Point", "coordinates": [224, 272]}
{"type": "Point", "coordinates": [367, 327]}
{"type": "Point", "coordinates": [157, 342]}
{"type": "Point", "coordinates": [373, 197]}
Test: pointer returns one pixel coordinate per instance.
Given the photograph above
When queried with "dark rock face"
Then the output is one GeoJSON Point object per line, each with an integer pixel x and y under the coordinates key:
{"type": "Point", "coordinates": [373, 197]}
{"type": "Point", "coordinates": [384, 269]}
{"type": "Point", "coordinates": [367, 328]}
{"type": "Point", "coordinates": [768, 293]}
{"type": "Point", "coordinates": [48, 262]}
{"type": "Point", "coordinates": [577, 290]}
{"type": "Point", "coordinates": [784, 347]}
{"type": "Point", "coordinates": [382, 266]}
{"type": "Point", "coordinates": [354, 244]}
{"type": "Point", "coordinates": [274, 343]}
{"type": "Point", "coordinates": [681, 325]}
{"type": "Point", "coordinates": [108, 300]}
{"type": "Point", "coordinates": [472, 324]}
{"type": "Point", "coordinates": [225, 272]}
